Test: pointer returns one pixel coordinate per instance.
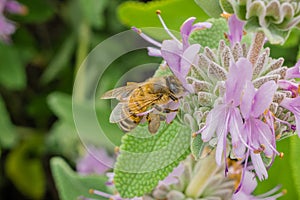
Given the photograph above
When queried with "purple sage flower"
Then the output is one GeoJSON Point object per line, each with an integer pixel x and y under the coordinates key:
{"type": "Point", "coordinates": [249, 186]}
{"type": "Point", "coordinates": [257, 134]}
{"type": "Point", "coordinates": [7, 27]}
{"type": "Point", "coordinates": [95, 161]}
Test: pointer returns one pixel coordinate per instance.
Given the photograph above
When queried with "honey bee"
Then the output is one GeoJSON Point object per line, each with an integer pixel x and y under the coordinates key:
{"type": "Point", "coordinates": [137, 100]}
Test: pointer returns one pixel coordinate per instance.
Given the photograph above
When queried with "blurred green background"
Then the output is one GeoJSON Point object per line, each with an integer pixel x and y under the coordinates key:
{"type": "Point", "coordinates": [37, 71]}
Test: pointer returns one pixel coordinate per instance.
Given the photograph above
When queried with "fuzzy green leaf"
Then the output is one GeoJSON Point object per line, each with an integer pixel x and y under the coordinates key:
{"type": "Point", "coordinates": [212, 8]}
{"type": "Point", "coordinates": [8, 134]}
{"type": "Point", "coordinates": [146, 159]}
{"type": "Point", "coordinates": [24, 166]}
{"type": "Point", "coordinates": [210, 37]}
{"type": "Point", "coordinates": [197, 146]}
{"type": "Point", "coordinates": [70, 185]}
{"type": "Point", "coordinates": [12, 71]}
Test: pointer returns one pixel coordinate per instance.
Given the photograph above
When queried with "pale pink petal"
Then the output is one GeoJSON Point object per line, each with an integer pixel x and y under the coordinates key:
{"type": "Point", "coordinates": [235, 129]}
{"type": "Point", "coordinates": [239, 73]}
{"type": "Point", "coordinates": [247, 100]}
{"type": "Point", "coordinates": [171, 52]}
{"type": "Point", "coordinates": [235, 29]}
{"type": "Point", "coordinates": [293, 104]}
{"type": "Point", "coordinates": [185, 31]}
{"type": "Point", "coordinates": [259, 166]}
{"type": "Point", "coordinates": [263, 129]}
{"type": "Point", "coordinates": [293, 72]}
{"type": "Point", "coordinates": [212, 123]}
{"type": "Point", "coordinates": [263, 98]}
{"type": "Point", "coordinates": [188, 58]}
{"type": "Point", "coordinates": [250, 183]}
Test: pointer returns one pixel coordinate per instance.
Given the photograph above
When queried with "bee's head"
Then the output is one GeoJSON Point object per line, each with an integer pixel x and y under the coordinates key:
{"type": "Point", "coordinates": [174, 85]}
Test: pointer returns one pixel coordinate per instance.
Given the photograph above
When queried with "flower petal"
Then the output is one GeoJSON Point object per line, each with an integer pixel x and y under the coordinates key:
{"type": "Point", "coordinates": [188, 58]}
{"type": "Point", "coordinates": [239, 73]}
{"type": "Point", "coordinates": [185, 31]}
{"type": "Point", "coordinates": [293, 104]}
{"type": "Point", "coordinates": [259, 166]}
{"type": "Point", "coordinates": [235, 129]}
{"type": "Point", "coordinates": [235, 29]}
{"type": "Point", "coordinates": [171, 51]}
{"type": "Point", "coordinates": [247, 99]}
{"type": "Point", "coordinates": [293, 72]}
{"type": "Point", "coordinates": [212, 122]}
{"type": "Point", "coordinates": [263, 98]}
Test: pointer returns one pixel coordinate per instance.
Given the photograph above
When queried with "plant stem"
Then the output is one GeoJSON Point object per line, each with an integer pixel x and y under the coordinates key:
{"type": "Point", "coordinates": [206, 169]}
{"type": "Point", "coordinates": [81, 53]}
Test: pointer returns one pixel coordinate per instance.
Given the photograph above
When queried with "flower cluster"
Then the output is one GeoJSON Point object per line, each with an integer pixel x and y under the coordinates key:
{"type": "Point", "coordinates": [239, 102]}
{"type": "Point", "coordinates": [241, 99]}
{"type": "Point", "coordinates": [7, 27]}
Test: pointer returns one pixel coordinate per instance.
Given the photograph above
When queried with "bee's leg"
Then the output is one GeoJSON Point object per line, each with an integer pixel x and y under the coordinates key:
{"type": "Point", "coordinates": [158, 108]}
{"type": "Point", "coordinates": [164, 110]}
{"type": "Point", "coordinates": [162, 117]}
{"type": "Point", "coordinates": [131, 83]}
{"type": "Point", "coordinates": [173, 97]}
{"type": "Point", "coordinates": [167, 110]}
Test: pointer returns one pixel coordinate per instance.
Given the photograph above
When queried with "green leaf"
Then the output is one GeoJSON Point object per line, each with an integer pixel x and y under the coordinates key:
{"type": "Point", "coordinates": [146, 159]}
{"type": "Point", "coordinates": [211, 37]}
{"type": "Point", "coordinates": [70, 185]}
{"type": "Point", "coordinates": [298, 54]}
{"type": "Point", "coordinates": [281, 172]}
{"type": "Point", "coordinates": [8, 134]}
{"type": "Point", "coordinates": [12, 71]}
{"type": "Point", "coordinates": [61, 105]}
{"type": "Point", "coordinates": [212, 7]}
{"type": "Point", "coordinates": [24, 167]}
{"type": "Point", "coordinates": [60, 60]}
{"type": "Point", "coordinates": [64, 133]}
{"type": "Point", "coordinates": [38, 11]}
{"type": "Point", "coordinates": [197, 146]}
{"type": "Point", "coordinates": [143, 14]}
{"type": "Point", "coordinates": [92, 11]}
{"type": "Point", "coordinates": [295, 163]}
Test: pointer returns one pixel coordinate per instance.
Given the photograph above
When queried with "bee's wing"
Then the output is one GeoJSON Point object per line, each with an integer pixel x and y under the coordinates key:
{"type": "Point", "coordinates": [119, 113]}
{"type": "Point", "coordinates": [122, 110]}
{"type": "Point", "coordinates": [120, 93]}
